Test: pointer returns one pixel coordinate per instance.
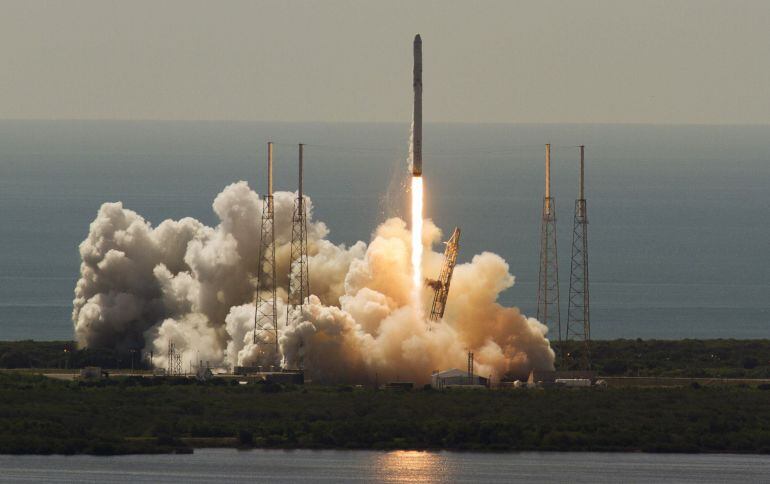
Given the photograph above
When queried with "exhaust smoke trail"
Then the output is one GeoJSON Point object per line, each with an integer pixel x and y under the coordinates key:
{"type": "Point", "coordinates": [143, 286]}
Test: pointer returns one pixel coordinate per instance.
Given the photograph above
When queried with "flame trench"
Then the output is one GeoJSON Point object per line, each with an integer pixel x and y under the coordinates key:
{"type": "Point", "coordinates": [417, 238]}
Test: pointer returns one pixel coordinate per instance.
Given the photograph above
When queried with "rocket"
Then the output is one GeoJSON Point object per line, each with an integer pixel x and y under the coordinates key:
{"type": "Point", "coordinates": [417, 113]}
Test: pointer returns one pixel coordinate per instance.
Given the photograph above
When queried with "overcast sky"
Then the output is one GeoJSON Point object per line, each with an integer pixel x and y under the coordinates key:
{"type": "Point", "coordinates": [696, 61]}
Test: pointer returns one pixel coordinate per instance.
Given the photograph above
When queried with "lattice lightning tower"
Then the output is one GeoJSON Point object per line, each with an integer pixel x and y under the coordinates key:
{"type": "Point", "coordinates": [578, 313]}
{"type": "Point", "coordinates": [299, 278]}
{"type": "Point", "coordinates": [470, 368]}
{"type": "Point", "coordinates": [266, 314]}
{"type": "Point", "coordinates": [174, 360]}
{"type": "Point", "coordinates": [548, 283]}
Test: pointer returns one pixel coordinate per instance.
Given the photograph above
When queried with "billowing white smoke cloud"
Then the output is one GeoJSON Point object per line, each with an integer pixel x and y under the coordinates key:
{"type": "Point", "coordinates": [141, 287]}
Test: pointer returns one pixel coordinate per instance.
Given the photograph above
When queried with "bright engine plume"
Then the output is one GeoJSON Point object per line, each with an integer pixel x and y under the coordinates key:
{"type": "Point", "coordinates": [417, 238]}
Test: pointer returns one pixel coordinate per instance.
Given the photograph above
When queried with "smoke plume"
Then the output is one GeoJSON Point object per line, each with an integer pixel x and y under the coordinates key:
{"type": "Point", "coordinates": [184, 282]}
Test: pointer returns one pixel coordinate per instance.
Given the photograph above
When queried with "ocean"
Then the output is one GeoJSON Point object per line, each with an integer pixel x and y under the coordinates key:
{"type": "Point", "coordinates": [679, 216]}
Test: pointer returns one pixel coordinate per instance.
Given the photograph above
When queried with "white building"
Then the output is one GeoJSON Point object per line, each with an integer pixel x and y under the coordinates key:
{"type": "Point", "coordinates": [456, 378]}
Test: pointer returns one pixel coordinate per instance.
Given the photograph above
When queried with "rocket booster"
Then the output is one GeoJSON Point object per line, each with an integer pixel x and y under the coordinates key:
{"type": "Point", "coordinates": [417, 114]}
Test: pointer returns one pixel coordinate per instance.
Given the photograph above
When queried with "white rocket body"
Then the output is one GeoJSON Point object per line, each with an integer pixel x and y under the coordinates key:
{"type": "Point", "coordinates": [417, 114]}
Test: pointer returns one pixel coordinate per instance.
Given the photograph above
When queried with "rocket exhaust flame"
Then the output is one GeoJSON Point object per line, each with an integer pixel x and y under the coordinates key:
{"type": "Point", "coordinates": [417, 239]}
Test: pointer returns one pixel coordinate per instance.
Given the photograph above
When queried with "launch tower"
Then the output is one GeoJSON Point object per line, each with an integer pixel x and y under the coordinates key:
{"type": "Point", "coordinates": [578, 312]}
{"type": "Point", "coordinates": [299, 279]}
{"type": "Point", "coordinates": [548, 284]}
{"type": "Point", "coordinates": [440, 286]}
{"type": "Point", "coordinates": [266, 314]}
{"type": "Point", "coordinates": [174, 360]}
{"type": "Point", "coordinates": [470, 368]}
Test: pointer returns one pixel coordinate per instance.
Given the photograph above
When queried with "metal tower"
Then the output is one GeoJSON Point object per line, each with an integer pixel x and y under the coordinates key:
{"type": "Point", "coordinates": [174, 360]}
{"type": "Point", "coordinates": [441, 285]}
{"type": "Point", "coordinates": [266, 314]}
{"type": "Point", "coordinates": [548, 284]}
{"type": "Point", "coordinates": [578, 313]}
{"type": "Point", "coordinates": [470, 368]}
{"type": "Point", "coordinates": [299, 278]}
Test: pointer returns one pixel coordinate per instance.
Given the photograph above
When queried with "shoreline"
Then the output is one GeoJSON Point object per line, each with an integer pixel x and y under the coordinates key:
{"type": "Point", "coordinates": [194, 444]}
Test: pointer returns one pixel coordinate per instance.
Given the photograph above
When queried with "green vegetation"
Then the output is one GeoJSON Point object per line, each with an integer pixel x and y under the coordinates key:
{"type": "Point", "coordinates": [40, 415]}
{"type": "Point", "coordinates": [65, 354]}
{"type": "Point", "coordinates": [142, 415]}
{"type": "Point", "coordinates": [715, 358]}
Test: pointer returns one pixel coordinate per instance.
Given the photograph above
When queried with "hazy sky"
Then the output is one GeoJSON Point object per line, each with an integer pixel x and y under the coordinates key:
{"type": "Point", "coordinates": [695, 61]}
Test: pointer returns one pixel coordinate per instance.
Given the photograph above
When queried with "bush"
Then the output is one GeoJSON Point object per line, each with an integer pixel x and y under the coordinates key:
{"type": "Point", "coordinates": [245, 438]}
{"type": "Point", "coordinates": [750, 363]}
{"type": "Point", "coordinates": [167, 440]}
{"type": "Point", "coordinates": [14, 359]}
{"type": "Point", "coordinates": [270, 387]}
{"type": "Point", "coordinates": [614, 367]}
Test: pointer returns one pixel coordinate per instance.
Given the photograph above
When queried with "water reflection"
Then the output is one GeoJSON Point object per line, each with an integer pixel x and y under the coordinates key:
{"type": "Point", "coordinates": [333, 466]}
{"type": "Point", "coordinates": [411, 466]}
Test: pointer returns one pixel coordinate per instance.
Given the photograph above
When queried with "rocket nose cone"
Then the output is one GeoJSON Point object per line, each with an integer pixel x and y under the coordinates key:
{"type": "Point", "coordinates": [417, 39]}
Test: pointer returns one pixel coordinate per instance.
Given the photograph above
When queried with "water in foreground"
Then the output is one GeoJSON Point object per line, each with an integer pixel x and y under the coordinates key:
{"type": "Point", "coordinates": [208, 465]}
